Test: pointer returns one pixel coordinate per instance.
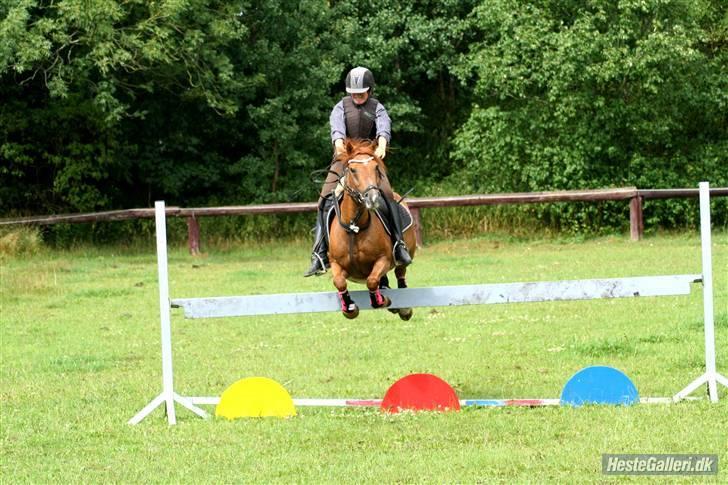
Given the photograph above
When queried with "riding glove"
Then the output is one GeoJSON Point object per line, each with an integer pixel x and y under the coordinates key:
{"type": "Point", "coordinates": [381, 150]}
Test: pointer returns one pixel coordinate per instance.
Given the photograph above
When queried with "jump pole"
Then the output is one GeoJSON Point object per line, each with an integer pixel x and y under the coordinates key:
{"type": "Point", "coordinates": [346, 403]}
{"type": "Point", "coordinates": [428, 297]}
{"type": "Point", "coordinates": [486, 294]}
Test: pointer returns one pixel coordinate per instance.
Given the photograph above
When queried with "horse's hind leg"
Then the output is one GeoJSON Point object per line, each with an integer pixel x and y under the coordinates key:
{"type": "Point", "coordinates": [384, 285]}
{"type": "Point", "coordinates": [348, 307]}
{"type": "Point", "coordinates": [400, 272]}
{"type": "Point", "coordinates": [384, 282]}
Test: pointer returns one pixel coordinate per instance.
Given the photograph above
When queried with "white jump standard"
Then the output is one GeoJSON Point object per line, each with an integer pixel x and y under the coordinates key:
{"type": "Point", "coordinates": [632, 287]}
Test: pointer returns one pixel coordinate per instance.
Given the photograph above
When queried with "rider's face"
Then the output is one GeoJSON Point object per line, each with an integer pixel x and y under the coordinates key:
{"type": "Point", "coordinates": [360, 98]}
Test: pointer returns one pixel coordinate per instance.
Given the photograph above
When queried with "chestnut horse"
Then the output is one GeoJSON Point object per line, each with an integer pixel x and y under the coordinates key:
{"type": "Point", "coordinates": [360, 249]}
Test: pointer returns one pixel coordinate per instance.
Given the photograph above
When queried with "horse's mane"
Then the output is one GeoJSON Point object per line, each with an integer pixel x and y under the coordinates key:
{"type": "Point", "coordinates": [356, 147]}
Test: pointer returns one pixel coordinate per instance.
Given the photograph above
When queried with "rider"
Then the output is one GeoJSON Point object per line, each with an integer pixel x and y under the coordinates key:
{"type": "Point", "coordinates": [363, 117]}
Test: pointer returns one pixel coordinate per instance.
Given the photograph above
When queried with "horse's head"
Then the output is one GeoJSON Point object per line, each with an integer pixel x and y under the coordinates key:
{"type": "Point", "coordinates": [363, 173]}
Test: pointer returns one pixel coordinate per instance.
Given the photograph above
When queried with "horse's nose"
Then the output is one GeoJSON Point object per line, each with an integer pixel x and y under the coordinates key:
{"type": "Point", "coordinates": [372, 200]}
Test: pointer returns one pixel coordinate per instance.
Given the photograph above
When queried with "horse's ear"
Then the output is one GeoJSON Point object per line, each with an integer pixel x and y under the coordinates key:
{"type": "Point", "coordinates": [349, 146]}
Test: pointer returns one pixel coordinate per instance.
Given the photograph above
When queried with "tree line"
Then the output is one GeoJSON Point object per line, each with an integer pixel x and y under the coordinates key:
{"type": "Point", "coordinates": [110, 104]}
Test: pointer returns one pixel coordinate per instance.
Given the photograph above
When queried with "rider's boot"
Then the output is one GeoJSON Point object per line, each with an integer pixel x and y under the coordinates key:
{"type": "Point", "coordinates": [399, 248]}
{"type": "Point", "coordinates": [319, 254]}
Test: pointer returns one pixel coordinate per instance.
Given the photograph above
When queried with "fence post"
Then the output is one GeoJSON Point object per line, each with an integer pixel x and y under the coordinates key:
{"type": "Point", "coordinates": [193, 235]}
{"type": "Point", "coordinates": [636, 223]}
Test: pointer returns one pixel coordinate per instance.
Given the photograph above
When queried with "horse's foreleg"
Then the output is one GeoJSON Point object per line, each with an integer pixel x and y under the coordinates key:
{"type": "Point", "coordinates": [348, 307]}
{"type": "Point", "coordinates": [378, 271]}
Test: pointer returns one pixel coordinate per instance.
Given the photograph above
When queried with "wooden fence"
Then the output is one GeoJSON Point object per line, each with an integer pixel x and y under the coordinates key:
{"type": "Point", "coordinates": [633, 195]}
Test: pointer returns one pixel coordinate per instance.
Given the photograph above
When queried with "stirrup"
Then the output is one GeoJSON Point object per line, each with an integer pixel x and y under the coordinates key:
{"type": "Point", "coordinates": [406, 259]}
{"type": "Point", "coordinates": [318, 266]}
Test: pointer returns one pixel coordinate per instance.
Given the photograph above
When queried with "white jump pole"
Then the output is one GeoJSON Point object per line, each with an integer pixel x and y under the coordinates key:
{"type": "Point", "coordinates": [711, 375]}
{"type": "Point", "coordinates": [168, 396]}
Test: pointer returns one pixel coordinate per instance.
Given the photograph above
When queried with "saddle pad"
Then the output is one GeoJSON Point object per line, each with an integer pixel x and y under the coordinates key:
{"type": "Point", "coordinates": [404, 214]}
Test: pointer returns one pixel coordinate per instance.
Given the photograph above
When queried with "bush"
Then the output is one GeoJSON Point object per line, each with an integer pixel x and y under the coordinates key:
{"type": "Point", "coordinates": [20, 241]}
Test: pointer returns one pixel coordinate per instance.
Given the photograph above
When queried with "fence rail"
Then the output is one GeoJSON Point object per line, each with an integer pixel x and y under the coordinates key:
{"type": "Point", "coordinates": [634, 195]}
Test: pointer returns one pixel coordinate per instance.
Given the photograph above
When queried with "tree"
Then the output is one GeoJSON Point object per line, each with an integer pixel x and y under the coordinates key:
{"type": "Point", "coordinates": [595, 94]}
{"type": "Point", "coordinates": [77, 73]}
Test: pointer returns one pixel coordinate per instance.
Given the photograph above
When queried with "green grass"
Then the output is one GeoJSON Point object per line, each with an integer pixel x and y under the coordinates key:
{"type": "Point", "coordinates": [80, 355]}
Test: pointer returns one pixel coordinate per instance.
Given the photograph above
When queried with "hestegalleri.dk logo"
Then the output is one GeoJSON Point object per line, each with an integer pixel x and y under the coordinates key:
{"type": "Point", "coordinates": [659, 464]}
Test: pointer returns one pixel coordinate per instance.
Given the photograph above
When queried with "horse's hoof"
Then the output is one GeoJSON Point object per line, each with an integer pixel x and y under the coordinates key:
{"type": "Point", "coordinates": [385, 301]}
{"type": "Point", "coordinates": [352, 314]}
{"type": "Point", "coordinates": [405, 313]}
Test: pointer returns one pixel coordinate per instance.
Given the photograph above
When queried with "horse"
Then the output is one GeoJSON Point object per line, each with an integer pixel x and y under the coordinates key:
{"type": "Point", "coordinates": [360, 249]}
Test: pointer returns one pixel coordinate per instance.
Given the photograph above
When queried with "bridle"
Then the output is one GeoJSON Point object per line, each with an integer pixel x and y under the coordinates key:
{"type": "Point", "coordinates": [357, 196]}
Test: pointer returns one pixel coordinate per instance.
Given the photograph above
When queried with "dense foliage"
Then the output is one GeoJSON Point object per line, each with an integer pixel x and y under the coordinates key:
{"type": "Point", "coordinates": [109, 104]}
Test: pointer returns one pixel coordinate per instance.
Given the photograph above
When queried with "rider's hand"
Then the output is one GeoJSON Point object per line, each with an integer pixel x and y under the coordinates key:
{"type": "Point", "coordinates": [339, 146]}
{"type": "Point", "coordinates": [381, 150]}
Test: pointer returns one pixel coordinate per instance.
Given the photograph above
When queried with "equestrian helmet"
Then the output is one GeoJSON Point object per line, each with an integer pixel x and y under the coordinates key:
{"type": "Point", "coordinates": [359, 80]}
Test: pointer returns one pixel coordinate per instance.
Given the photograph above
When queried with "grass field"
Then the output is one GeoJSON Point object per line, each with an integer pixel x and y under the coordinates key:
{"type": "Point", "coordinates": [80, 355]}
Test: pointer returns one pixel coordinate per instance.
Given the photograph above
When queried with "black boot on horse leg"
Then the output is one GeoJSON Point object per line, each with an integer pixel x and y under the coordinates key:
{"type": "Point", "coordinates": [400, 272]}
{"type": "Point", "coordinates": [319, 254]}
{"type": "Point", "coordinates": [399, 248]}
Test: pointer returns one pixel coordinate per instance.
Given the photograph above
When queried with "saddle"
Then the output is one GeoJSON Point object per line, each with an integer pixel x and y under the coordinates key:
{"type": "Point", "coordinates": [382, 213]}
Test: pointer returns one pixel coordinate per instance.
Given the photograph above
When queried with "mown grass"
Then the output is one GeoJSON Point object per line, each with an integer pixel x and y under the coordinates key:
{"type": "Point", "coordinates": [80, 356]}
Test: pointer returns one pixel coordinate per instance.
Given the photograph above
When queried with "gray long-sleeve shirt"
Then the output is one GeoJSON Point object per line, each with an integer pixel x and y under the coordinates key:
{"type": "Point", "coordinates": [338, 122]}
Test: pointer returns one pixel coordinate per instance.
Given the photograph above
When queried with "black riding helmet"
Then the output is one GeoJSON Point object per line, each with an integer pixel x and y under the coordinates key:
{"type": "Point", "coordinates": [359, 80]}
